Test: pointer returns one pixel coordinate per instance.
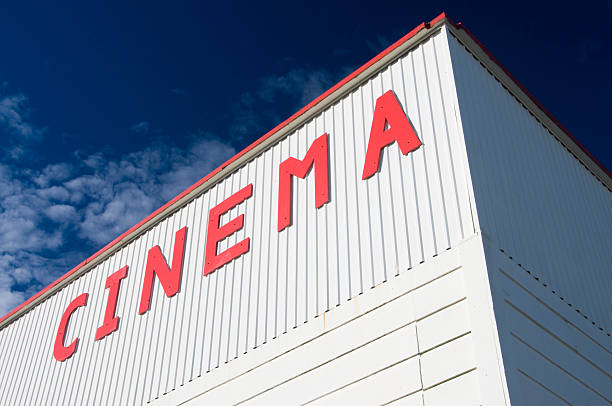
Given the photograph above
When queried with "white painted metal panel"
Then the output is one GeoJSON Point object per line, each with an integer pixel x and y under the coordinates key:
{"type": "Point", "coordinates": [552, 355]}
{"type": "Point", "coordinates": [370, 232]}
{"type": "Point", "coordinates": [460, 391]}
{"type": "Point", "coordinates": [535, 200]}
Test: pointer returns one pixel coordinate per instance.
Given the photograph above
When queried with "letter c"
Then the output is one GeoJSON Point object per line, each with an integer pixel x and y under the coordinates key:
{"type": "Point", "coordinates": [60, 352]}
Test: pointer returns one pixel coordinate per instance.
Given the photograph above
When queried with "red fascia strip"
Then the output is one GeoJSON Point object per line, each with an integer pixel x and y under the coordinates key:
{"type": "Point", "coordinates": [270, 133]}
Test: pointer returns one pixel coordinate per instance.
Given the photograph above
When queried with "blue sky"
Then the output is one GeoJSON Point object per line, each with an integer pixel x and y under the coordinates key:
{"type": "Point", "coordinates": [109, 109]}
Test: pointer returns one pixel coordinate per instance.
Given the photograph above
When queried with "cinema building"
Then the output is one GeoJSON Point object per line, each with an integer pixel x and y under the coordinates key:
{"type": "Point", "coordinates": [423, 233]}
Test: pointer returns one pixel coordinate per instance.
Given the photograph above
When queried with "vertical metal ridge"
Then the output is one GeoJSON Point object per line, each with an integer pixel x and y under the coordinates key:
{"type": "Point", "coordinates": [363, 137]}
{"type": "Point", "coordinates": [36, 347]}
{"type": "Point", "coordinates": [358, 201]}
{"type": "Point", "coordinates": [334, 174]}
{"type": "Point", "coordinates": [421, 155]}
{"type": "Point", "coordinates": [403, 202]}
{"type": "Point", "coordinates": [436, 151]}
{"type": "Point", "coordinates": [376, 183]}
{"type": "Point", "coordinates": [205, 328]}
{"type": "Point", "coordinates": [100, 273]}
{"type": "Point", "coordinates": [243, 290]}
{"type": "Point", "coordinates": [212, 299]}
{"type": "Point", "coordinates": [412, 173]}
{"type": "Point", "coordinates": [24, 366]}
{"type": "Point", "coordinates": [232, 265]}
{"type": "Point", "coordinates": [447, 138]}
{"type": "Point", "coordinates": [268, 240]}
{"type": "Point", "coordinates": [183, 299]}
{"type": "Point", "coordinates": [157, 314]}
{"type": "Point", "coordinates": [18, 353]}
{"type": "Point", "coordinates": [150, 318]}
{"type": "Point", "coordinates": [140, 319]}
{"type": "Point", "coordinates": [79, 326]}
{"type": "Point", "coordinates": [202, 223]}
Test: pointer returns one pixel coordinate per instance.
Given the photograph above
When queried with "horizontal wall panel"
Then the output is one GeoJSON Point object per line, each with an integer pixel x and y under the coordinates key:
{"type": "Point", "coordinates": [385, 386]}
{"type": "Point", "coordinates": [348, 369]}
{"type": "Point", "coordinates": [448, 361]}
{"type": "Point", "coordinates": [415, 208]}
{"type": "Point", "coordinates": [463, 390]}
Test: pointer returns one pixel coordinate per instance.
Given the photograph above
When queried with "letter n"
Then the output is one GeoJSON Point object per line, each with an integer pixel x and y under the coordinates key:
{"type": "Point", "coordinates": [169, 278]}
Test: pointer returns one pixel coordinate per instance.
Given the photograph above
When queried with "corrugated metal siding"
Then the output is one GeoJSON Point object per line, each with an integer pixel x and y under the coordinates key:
{"type": "Point", "coordinates": [415, 208]}
{"type": "Point", "coordinates": [534, 199]}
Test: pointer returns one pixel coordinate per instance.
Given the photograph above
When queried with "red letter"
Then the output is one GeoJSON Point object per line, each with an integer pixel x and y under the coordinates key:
{"type": "Point", "coordinates": [170, 279]}
{"type": "Point", "coordinates": [388, 111]}
{"type": "Point", "coordinates": [216, 233]}
{"type": "Point", "coordinates": [111, 322]}
{"type": "Point", "coordinates": [60, 352]}
{"type": "Point", "coordinates": [317, 156]}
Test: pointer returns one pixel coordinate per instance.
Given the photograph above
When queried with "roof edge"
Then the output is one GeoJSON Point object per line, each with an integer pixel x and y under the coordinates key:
{"type": "Point", "coordinates": [353, 80]}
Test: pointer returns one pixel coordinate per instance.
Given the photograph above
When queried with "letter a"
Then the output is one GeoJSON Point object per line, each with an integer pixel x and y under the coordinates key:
{"type": "Point", "coordinates": [388, 111]}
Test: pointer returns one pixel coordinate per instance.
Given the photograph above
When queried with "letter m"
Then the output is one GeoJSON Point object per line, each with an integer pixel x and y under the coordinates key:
{"type": "Point", "coordinates": [315, 156]}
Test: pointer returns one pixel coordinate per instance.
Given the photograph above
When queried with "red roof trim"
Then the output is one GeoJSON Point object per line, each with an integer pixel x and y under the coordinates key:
{"type": "Point", "coordinates": [284, 124]}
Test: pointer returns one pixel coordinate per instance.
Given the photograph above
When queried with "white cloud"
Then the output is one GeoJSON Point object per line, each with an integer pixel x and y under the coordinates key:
{"type": "Point", "coordinates": [105, 220]}
{"type": "Point", "coordinates": [123, 192]}
{"type": "Point", "coordinates": [142, 127]}
{"type": "Point", "coordinates": [379, 43]}
{"type": "Point", "coordinates": [14, 115]}
{"type": "Point", "coordinates": [255, 112]}
{"type": "Point", "coordinates": [61, 213]}
{"type": "Point", "coordinates": [304, 85]}
{"type": "Point", "coordinates": [53, 173]}
{"type": "Point", "coordinates": [9, 299]}
{"type": "Point", "coordinates": [12, 111]}
{"type": "Point", "coordinates": [95, 161]}
{"type": "Point", "coordinates": [52, 219]}
{"type": "Point", "coordinates": [54, 193]}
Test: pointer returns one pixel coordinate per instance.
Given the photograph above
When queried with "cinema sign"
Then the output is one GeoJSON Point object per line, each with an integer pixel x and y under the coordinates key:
{"type": "Point", "coordinates": [389, 124]}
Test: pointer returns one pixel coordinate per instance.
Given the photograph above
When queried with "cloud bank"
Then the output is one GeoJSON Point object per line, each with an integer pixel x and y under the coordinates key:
{"type": "Point", "coordinates": [52, 219]}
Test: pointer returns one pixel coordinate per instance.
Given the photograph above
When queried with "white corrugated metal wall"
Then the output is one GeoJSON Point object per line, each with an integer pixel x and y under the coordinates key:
{"type": "Point", "coordinates": [414, 209]}
{"type": "Point", "coordinates": [534, 199]}
{"type": "Point", "coordinates": [547, 223]}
